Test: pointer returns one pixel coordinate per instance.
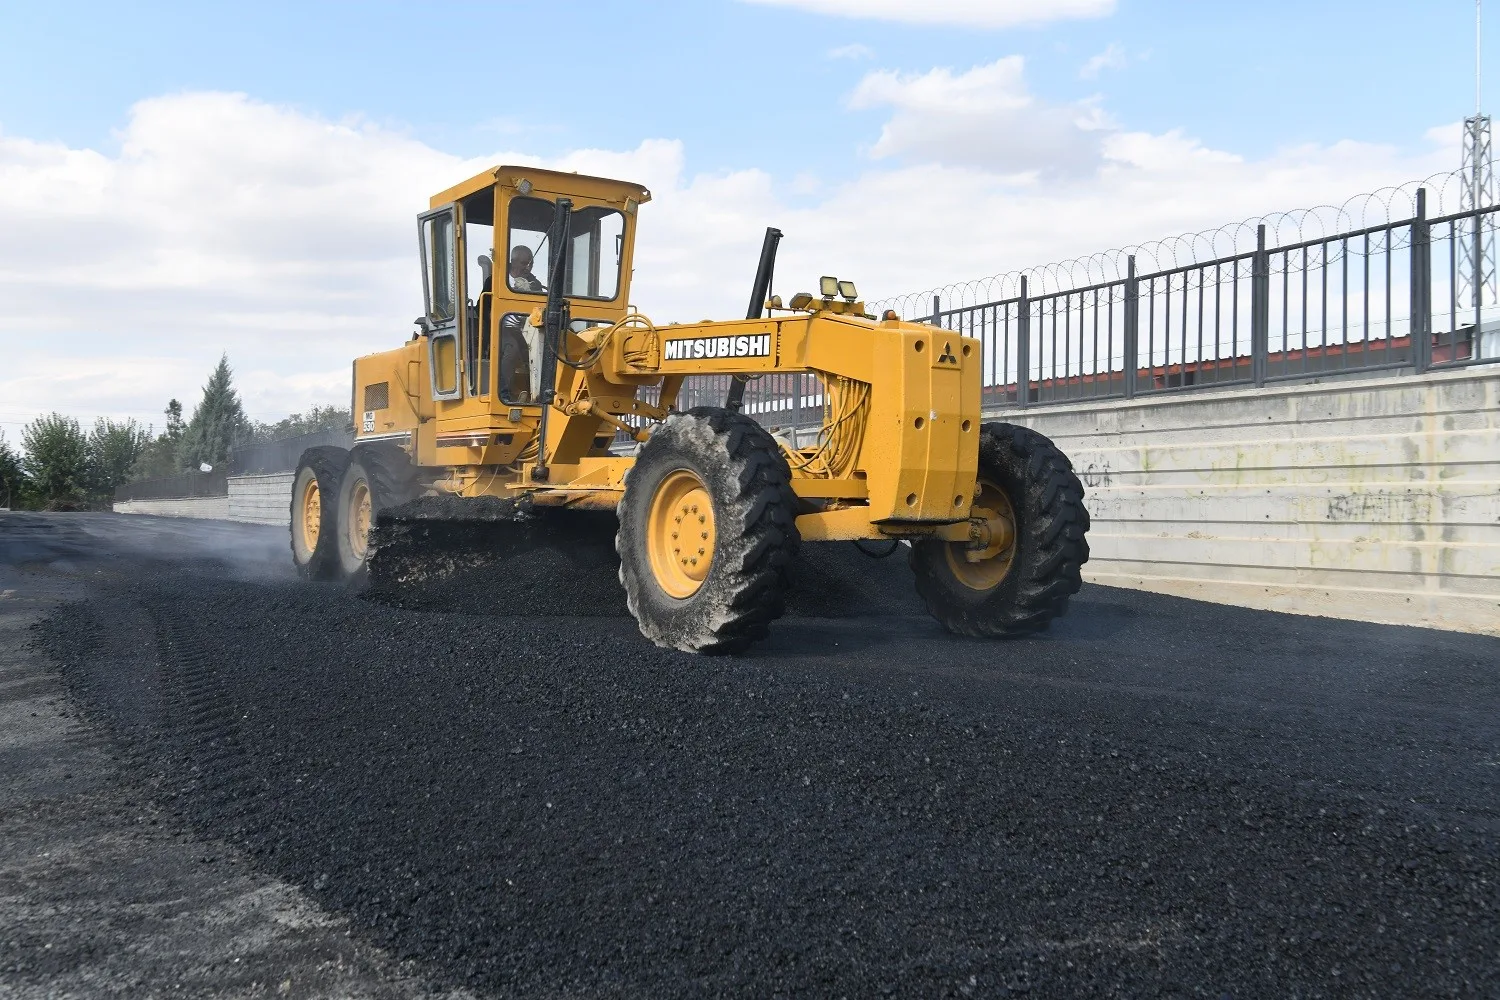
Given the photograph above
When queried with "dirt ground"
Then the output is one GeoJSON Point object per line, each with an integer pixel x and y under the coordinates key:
{"type": "Point", "coordinates": [221, 781]}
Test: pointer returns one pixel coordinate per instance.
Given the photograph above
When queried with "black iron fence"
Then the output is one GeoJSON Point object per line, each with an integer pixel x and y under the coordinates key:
{"type": "Point", "coordinates": [1242, 306]}
{"type": "Point", "coordinates": [282, 456]}
{"type": "Point", "coordinates": [1402, 295]}
{"type": "Point", "coordinates": [186, 486]}
{"type": "Point", "coordinates": [779, 401]}
{"type": "Point", "coordinates": [271, 457]}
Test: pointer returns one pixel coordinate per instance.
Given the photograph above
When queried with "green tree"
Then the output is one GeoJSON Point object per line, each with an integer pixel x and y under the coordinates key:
{"type": "Point", "coordinates": [175, 426]}
{"type": "Point", "coordinates": [218, 423]}
{"type": "Point", "coordinates": [114, 449]}
{"type": "Point", "coordinates": [57, 458]}
{"type": "Point", "coordinates": [158, 459]}
{"type": "Point", "coordinates": [329, 417]}
{"type": "Point", "coordinates": [12, 479]}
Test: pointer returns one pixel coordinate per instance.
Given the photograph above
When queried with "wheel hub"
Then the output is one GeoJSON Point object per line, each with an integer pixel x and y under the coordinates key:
{"type": "Point", "coordinates": [312, 514]}
{"type": "Point", "coordinates": [680, 534]}
{"type": "Point", "coordinates": [359, 519]}
{"type": "Point", "coordinates": [985, 559]}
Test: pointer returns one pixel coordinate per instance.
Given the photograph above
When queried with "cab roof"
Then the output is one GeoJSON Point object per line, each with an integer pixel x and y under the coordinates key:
{"type": "Point", "coordinates": [553, 182]}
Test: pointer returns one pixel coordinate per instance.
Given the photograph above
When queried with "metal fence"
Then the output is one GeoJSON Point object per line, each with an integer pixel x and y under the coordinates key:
{"type": "Point", "coordinates": [1250, 304]}
{"type": "Point", "coordinates": [185, 486]}
{"type": "Point", "coordinates": [271, 457]}
{"type": "Point", "coordinates": [781, 401]}
{"type": "Point", "coordinates": [1400, 295]}
{"type": "Point", "coordinates": [282, 456]}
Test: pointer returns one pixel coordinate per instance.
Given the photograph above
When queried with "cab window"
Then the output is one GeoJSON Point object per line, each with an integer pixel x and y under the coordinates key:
{"type": "Point", "coordinates": [479, 243]}
{"type": "Point", "coordinates": [595, 246]}
{"type": "Point", "coordinates": [438, 257]}
{"type": "Point", "coordinates": [521, 355]}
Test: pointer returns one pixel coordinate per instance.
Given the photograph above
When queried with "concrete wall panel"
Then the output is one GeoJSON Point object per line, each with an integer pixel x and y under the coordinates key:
{"type": "Point", "coordinates": [1376, 499]}
{"type": "Point", "coordinates": [261, 499]}
{"type": "Point", "coordinates": [216, 508]}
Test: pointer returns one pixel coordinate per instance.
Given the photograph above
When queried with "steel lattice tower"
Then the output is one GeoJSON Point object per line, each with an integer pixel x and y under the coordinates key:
{"type": "Point", "coordinates": [1475, 281]}
{"type": "Point", "coordinates": [1476, 269]}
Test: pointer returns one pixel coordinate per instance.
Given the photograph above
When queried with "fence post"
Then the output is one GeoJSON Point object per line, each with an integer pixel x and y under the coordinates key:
{"type": "Point", "coordinates": [1132, 346]}
{"type": "Point", "coordinates": [1421, 287]}
{"type": "Point", "coordinates": [1260, 307]}
{"type": "Point", "coordinates": [937, 306]}
{"type": "Point", "coordinates": [1023, 347]}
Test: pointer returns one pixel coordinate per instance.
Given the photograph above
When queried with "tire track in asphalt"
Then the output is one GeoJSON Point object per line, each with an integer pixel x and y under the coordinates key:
{"type": "Point", "coordinates": [1158, 797]}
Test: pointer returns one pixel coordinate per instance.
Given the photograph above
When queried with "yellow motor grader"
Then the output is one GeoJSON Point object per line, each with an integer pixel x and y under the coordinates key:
{"type": "Point", "coordinates": [522, 387]}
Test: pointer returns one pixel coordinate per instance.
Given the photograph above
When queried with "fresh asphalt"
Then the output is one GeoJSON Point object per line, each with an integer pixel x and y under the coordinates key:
{"type": "Point", "coordinates": [491, 784]}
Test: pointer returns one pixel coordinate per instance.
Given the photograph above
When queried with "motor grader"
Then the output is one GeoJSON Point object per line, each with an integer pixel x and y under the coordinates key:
{"type": "Point", "coordinates": [551, 391]}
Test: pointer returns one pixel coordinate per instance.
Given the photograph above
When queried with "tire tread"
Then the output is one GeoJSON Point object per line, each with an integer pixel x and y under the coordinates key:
{"type": "Point", "coordinates": [751, 589]}
{"type": "Point", "coordinates": [1051, 557]}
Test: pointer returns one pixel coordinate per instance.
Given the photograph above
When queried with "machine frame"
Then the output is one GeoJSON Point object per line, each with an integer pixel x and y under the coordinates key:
{"type": "Point", "coordinates": [904, 449]}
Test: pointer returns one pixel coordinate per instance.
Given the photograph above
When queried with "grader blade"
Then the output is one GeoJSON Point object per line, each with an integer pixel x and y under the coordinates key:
{"type": "Point", "coordinates": [492, 555]}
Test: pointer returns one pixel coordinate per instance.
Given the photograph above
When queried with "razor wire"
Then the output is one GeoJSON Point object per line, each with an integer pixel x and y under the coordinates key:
{"type": "Point", "coordinates": [1387, 210]}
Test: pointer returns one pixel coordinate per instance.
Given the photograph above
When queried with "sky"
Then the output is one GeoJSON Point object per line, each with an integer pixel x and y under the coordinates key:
{"type": "Point", "coordinates": [178, 181]}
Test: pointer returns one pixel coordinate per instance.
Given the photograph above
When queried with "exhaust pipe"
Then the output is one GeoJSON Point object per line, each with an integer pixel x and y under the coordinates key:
{"type": "Point", "coordinates": [763, 274]}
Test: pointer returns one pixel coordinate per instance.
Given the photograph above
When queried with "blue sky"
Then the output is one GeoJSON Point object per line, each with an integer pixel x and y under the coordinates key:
{"type": "Point", "coordinates": [747, 85]}
{"type": "Point", "coordinates": [182, 180]}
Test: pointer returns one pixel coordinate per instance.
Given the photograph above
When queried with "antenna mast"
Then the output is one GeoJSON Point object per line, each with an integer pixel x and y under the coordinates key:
{"type": "Point", "coordinates": [1476, 271]}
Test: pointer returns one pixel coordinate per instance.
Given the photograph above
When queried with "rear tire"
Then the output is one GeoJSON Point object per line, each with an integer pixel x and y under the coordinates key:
{"type": "Point", "coordinates": [314, 512]}
{"type": "Point", "coordinates": [720, 481]}
{"type": "Point", "coordinates": [1044, 562]}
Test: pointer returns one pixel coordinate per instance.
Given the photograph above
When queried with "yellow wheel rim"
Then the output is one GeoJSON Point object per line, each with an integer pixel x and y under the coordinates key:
{"type": "Point", "coordinates": [680, 534]}
{"type": "Point", "coordinates": [359, 518]}
{"type": "Point", "coordinates": [312, 514]}
{"type": "Point", "coordinates": [985, 560]}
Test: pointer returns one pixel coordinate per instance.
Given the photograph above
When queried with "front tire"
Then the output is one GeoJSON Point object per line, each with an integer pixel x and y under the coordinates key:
{"type": "Point", "coordinates": [314, 512]}
{"type": "Point", "coordinates": [708, 532]}
{"type": "Point", "coordinates": [1019, 588]}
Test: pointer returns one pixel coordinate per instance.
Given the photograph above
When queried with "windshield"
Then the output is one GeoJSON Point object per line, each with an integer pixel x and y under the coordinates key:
{"type": "Point", "coordinates": [596, 243]}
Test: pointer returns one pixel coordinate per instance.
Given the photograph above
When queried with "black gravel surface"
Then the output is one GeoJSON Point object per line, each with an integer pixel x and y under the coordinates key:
{"type": "Point", "coordinates": [103, 893]}
{"type": "Point", "coordinates": [518, 560]}
{"type": "Point", "coordinates": [1157, 797]}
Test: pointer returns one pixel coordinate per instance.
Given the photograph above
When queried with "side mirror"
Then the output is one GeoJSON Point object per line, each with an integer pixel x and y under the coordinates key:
{"type": "Point", "coordinates": [423, 324]}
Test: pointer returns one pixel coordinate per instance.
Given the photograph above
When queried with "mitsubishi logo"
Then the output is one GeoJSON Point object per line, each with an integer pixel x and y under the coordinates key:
{"type": "Point", "coordinates": [947, 358]}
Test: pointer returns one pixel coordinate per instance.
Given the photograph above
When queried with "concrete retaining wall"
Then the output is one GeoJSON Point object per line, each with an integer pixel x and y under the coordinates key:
{"type": "Point", "coordinates": [1376, 500]}
{"type": "Point", "coordinates": [216, 508]}
{"type": "Point", "coordinates": [261, 499]}
{"type": "Point", "coordinates": [256, 499]}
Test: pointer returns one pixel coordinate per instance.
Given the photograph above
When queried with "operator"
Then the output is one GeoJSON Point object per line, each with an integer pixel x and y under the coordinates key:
{"type": "Point", "coordinates": [515, 368]}
{"type": "Point", "coordinates": [521, 278]}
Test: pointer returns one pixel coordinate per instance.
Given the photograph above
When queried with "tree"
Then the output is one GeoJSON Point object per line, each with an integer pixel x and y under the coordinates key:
{"type": "Point", "coordinates": [57, 458]}
{"type": "Point", "coordinates": [158, 459]}
{"type": "Point", "coordinates": [328, 417]}
{"type": "Point", "coordinates": [175, 426]}
{"type": "Point", "coordinates": [114, 449]}
{"type": "Point", "coordinates": [218, 423]}
{"type": "Point", "coordinates": [12, 479]}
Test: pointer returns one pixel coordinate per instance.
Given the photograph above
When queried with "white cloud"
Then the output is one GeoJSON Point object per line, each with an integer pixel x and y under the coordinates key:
{"type": "Point", "coordinates": [854, 50]}
{"type": "Point", "coordinates": [983, 117]}
{"type": "Point", "coordinates": [1113, 57]}
{"type": "Point", "coordinates": [967, 13]}
{"type": "Point", "coordinates": [226, 224]}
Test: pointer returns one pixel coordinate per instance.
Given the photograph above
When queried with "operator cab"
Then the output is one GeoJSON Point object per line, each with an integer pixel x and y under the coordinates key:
{"type": "Point", "coordinates": [478, 313]}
